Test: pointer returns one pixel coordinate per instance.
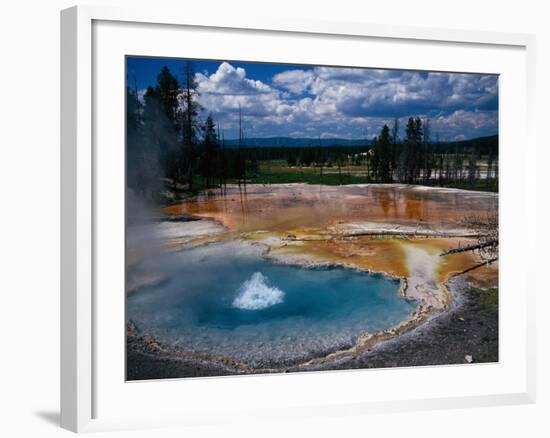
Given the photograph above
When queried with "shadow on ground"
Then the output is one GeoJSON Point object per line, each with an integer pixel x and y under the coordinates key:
{"type": "Point", "coordinates": [51, 417]}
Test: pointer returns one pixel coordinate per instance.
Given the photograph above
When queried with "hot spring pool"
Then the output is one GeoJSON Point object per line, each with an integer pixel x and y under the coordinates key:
{"type": "Point", "coordinates": [227, 299]}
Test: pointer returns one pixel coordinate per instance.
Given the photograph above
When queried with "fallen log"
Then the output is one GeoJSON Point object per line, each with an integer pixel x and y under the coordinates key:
{"type": "Point", "coordinates": [473, 247]}
{"type": "Point", "coordinates": [416, 233]}
{"type": "Point", "coordinates": [479, 265]}
{"type": "Point", "coordinates": [385, 233]}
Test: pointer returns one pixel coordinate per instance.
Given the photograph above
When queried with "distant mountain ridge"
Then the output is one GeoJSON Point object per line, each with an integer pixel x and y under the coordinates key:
{"type": "Point", "coordinates": [488, 139]}
{"type": "Point", "coordinates": [296, 142]}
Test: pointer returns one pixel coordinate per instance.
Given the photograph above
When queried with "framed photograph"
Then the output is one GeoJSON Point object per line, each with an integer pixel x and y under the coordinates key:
{"type": "Point", "coordinates": [291, 218]}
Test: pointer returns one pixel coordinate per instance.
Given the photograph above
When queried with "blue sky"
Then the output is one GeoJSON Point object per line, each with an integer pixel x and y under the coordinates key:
{"type": "Point", "coordinates": [316, 101]}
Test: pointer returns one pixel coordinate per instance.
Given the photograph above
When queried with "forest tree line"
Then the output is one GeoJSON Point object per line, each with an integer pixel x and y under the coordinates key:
{"type": "Point", "coordinates": [169, 144]}
{"type": "Point", "coordinates": [417, 159]}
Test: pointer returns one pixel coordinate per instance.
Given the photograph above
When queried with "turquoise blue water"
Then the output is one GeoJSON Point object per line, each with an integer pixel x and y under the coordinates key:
{"type": "Point", "coordinates": [228, 299]}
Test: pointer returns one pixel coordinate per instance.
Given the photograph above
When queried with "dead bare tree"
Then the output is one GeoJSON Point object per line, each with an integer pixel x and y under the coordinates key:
{"type": "Point", "coordinates": [486, 247]}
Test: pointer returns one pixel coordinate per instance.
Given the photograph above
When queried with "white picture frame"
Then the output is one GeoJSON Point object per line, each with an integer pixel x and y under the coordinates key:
{"type": "Point", "coordinates": [81, 366]}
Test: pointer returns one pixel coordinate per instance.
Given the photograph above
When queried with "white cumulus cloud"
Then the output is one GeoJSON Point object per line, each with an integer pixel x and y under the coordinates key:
{"type": "Point", "coordinates": [349, 102]}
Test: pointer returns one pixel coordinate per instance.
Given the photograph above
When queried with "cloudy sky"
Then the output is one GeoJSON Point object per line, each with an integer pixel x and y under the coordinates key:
{"type": "Point", "coordinates": [309, 101]}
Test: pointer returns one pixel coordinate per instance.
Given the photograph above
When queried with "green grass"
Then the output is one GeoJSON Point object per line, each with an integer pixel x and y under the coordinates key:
{"type": "Point", "coordinates": [488, 298]}
{"type": "Point", "coordinates": [282, 174]}
{"type": "Point", "coordinates": [278, 172]}
{"type": "Point", "coordinates": [480, 185]}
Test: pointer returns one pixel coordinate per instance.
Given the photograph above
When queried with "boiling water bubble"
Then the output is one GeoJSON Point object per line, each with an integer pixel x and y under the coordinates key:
{"type": "Point", "coordinates": [256, 294]}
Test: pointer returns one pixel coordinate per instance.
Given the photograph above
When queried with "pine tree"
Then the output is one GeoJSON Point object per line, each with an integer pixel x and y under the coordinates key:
{"type": "Point", "coordinates": [189, 116]}
{"type": "Point", "coordinates": [408, 150]}
{"type": "Point", "coordinates": [207, 160]}
{"type": "Point", "coordinates": [381, 155]}
{"type": "Point", "coordinates": [428, 162]}
{"type": "Point", "coordinates": [168, 90]}
{"type": "Point", "coordinates": [210, 137]}
{"type": "Point", "coordinates": [385, 156]}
